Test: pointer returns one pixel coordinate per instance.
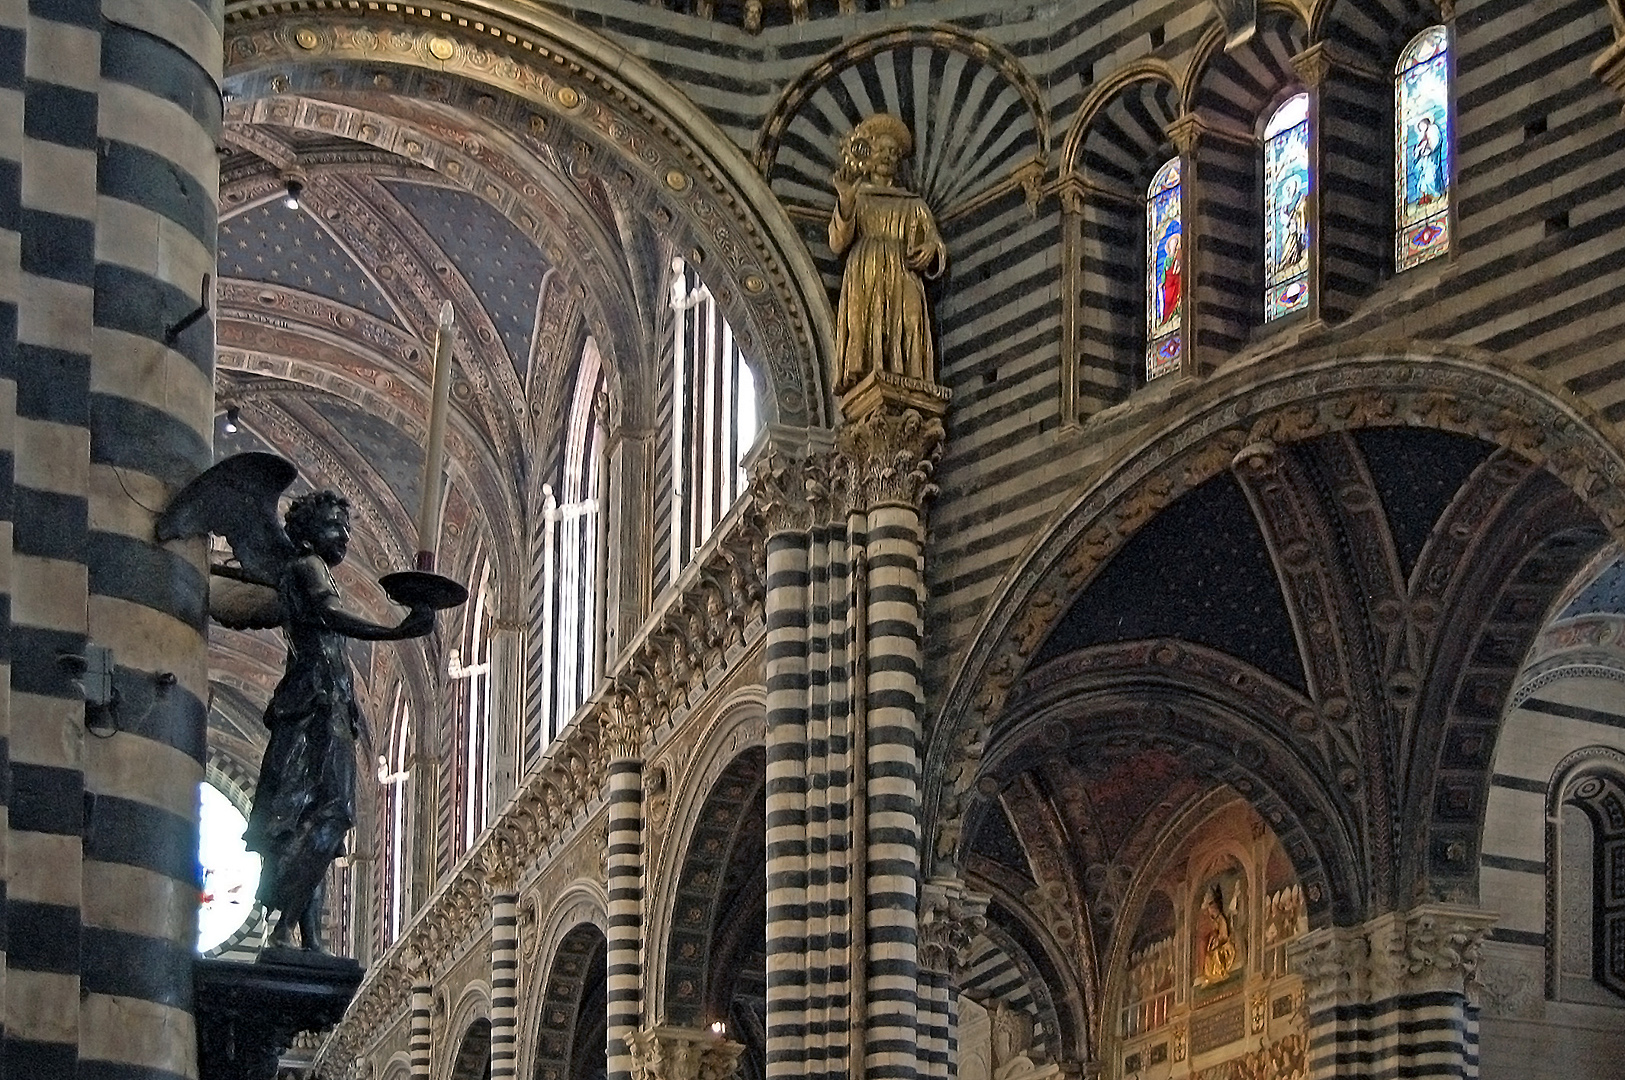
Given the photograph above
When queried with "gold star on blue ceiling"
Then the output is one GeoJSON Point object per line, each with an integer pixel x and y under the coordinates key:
{"type": "Point", "coordinates": [290, 247]}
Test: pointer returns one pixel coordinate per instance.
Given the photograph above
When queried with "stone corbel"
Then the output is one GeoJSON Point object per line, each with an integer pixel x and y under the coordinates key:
{"type": "Point", "coordinates": [669, 1052]}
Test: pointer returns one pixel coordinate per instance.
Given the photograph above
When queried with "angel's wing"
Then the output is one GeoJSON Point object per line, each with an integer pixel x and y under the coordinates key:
{"type": "Point", "coordinates": [237, 602]}
{"type": "Point", "coordinates": [237, 498]}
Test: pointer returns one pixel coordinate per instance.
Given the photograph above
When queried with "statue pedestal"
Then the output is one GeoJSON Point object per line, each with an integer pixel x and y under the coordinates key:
{"type": "Point", "coordinates": [901, 392]}
{"type": "Point", "coordinates": [247, 1014]}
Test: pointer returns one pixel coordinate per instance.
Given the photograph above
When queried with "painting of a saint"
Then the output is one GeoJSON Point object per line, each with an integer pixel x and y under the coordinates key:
{"type": "Point", "coordinates": [1286, 208]}
{"type": "Point", "coordinates": [1422, 149]}
{"type": "Point", "coordinates": [1220, 925]}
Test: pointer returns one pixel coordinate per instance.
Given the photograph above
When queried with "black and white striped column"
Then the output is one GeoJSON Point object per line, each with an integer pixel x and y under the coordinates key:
{"type": "Point", "coordinates": [504, 900]}
{"type": "Point", "coordinates": [420, 1017]}
{"type": "Point", "coordinates": [13, 42]}
{"type": "Point", "coordinates": [1392, 997]}
{"type": "Point", "coordinates": [624, 931]}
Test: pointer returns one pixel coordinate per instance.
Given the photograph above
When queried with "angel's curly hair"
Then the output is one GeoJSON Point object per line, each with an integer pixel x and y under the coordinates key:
{"type": "Point", "coordinates": [307, 512]}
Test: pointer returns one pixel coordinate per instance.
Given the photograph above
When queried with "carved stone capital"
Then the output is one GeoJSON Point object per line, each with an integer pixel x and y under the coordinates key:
{"type": "Point", "coordinates": [889, 457]}
{"type": "Point", "coordinates": [1431, 948]}
{"type": "Point", "coordinates": [790, 481]}
{"type": "Point", "coordinates": [623, 725]}
{"type": "Point", "coordinates": [668, 1052]}
{"type": "Point", "coordinates": [950, 920]}
{"type": "Point", "coordinates": [499, 866]}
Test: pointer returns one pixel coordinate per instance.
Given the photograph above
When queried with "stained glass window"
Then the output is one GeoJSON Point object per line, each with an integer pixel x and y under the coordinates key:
{"type": "Point", "coordinates": [1422, 149]}
{"type": "Point", "coordinates": [230, 872]}
{"type": "Point", "coordinates": [1163, 262]}
{"type": "Point", "coordinates": [1286, 209]}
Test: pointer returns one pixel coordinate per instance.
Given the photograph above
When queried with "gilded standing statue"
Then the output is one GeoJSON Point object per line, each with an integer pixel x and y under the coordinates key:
{"type": "Point", "coordinates": [891, 245]}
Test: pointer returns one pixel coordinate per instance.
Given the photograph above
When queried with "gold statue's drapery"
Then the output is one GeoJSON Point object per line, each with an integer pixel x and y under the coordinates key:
{"type": "Point", "coordinates": [891, 244]}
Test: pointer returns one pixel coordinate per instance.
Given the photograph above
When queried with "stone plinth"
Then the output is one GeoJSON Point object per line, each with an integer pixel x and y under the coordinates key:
{"type": "Point", "coordinates": [247, 1014]}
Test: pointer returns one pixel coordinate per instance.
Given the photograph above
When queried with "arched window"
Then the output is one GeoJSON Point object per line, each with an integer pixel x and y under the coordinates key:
{"type": "Point", "coordinates": [713, 416]}
{"type": "Point", "coordinates": [1587, 935]}
{"type": "Point", "coordinates": [1422, 149]}
{"type": "Point", "coordinates": [1286, 209]}
{"type": "Point", "coordinates": [1164, 278]}
{"type": "Point", "coordinates": [469, 669]}
{"type": "Point", "coordinates": [566, 657]}
{"type": "Point", "coordinates": [394, 768]}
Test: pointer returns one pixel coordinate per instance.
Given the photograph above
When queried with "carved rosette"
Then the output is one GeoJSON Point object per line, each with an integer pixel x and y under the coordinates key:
{"type": "Point", "coordinates": [950, 920]}
{"type": "Point", "coordinates": [889, 457]}
{"type": "Point", "coordinates": [668, 1052]}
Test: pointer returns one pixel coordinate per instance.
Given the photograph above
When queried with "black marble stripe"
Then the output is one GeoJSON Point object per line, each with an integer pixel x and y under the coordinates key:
{"type": "Point", "coordinates": [62, 115]}
{"type": "Point", "coordinates": [133, 435]}
{"type": "Point", "coordinates": [1518, 783]}
{"type": "Point", "coordinates": [51, 384]}
{"type": "Point", "coordinates": [138, 176]}
{"type": "Point", "coordinates": [57, 246]}
{"type": "Point", "coordinates": [13, 46]}
{"type": "Point", "coordinates": [1516, 866]}
{"type": "Point", "coordinates": [123, 964]}
{"type": "Point", "coordinates": [49, 524]}
{"type": "Point", "coordinates": [46, 799]}
{"type": "Point", "coordinates": [43, 937]}
{"type": "Point", "coordinates": [36, 666]}
{"type": "Point", "coordinates": [131, 833]}
{"type": "Point", "coordinates": [35, 1058]}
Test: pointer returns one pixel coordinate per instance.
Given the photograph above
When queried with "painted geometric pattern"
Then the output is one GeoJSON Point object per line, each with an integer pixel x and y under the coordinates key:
{"type": "Point", "coordinates": [502, 265]}
{"type": "Point", "coordinates": [274, 244]}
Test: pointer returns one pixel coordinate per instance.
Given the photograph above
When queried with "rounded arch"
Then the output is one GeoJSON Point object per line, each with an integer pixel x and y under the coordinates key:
{"type": "Point", "coordinates": [740, 724]}
{"type": "Point", "coordinates": [1001, 125]}
{"type": "Point", "coordinates": [1122, 124]}
{"type": "Point", "coordinates": [606, 111]}
{"type": "Point", "coordinates": [1372, 31]}
{"type": "Point", "coordinates": [1231, 87]}
{"type": "Point", "coordinates": [1279, 400]}
{"type": "Point", "coordinates": [472, 1058]}
{"type": "Point", "coordinates": [569, 1037]}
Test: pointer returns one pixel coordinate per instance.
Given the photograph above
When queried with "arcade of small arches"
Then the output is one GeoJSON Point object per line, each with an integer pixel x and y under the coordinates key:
{"type": "Point", "coordinates": [1299, 705]}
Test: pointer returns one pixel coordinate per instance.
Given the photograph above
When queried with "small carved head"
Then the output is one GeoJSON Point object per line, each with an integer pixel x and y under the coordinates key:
{"type": "Point", "coordinates": [320, 522]}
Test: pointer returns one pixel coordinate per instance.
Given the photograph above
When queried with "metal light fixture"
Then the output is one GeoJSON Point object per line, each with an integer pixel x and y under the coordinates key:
{"type": "Point", "coordinates": [295, 187]}
{"type": "Point", "coordinates": [233, 413]}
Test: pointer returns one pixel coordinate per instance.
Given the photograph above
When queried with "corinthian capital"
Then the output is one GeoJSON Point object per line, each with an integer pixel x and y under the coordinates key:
{"type": "Point", "coordinates": [790, 480]}
{"type": "Point", "coordinates": [890, 456]}
{"type": "Point", "coordinates": [668, 1052]}
{"type": "Point", "coordinates": [950, 920]}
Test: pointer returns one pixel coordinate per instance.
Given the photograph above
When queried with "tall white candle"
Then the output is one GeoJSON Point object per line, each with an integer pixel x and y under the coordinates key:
{"type": "Point", "coordinates": [435, 452]}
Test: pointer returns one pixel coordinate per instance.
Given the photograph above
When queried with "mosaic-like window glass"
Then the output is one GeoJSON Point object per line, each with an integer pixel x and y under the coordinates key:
{"type": "Point", "coordinates": [1164, 277]}
{"type": "Point", "coordinates": [1286, 209]}
{"type": "Point", "coordinates": [230, 873]}
{"type": "Point", "coordinates": [1422, 149]}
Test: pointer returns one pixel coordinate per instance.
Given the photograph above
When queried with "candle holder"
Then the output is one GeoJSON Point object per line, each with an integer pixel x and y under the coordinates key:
{"type": "Point", "coordinates": [423, 588]}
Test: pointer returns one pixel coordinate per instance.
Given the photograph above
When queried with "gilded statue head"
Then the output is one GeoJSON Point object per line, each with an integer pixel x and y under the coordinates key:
{"type": "Point", "coordinates": [875, 149]}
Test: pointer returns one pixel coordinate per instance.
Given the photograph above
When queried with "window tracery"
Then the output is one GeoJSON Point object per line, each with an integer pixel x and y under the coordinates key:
{"type": "Point", "coordinates": [1287, 186]}
{"type": "Point", "coordinates": [1422, 149]}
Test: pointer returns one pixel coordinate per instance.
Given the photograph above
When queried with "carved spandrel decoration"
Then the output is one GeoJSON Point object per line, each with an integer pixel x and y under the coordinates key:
{"type": "Point", "coordinates": [889, 238]}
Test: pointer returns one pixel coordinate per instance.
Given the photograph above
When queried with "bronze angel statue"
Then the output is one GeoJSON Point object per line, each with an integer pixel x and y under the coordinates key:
{"type": "Point", "coordinates": [304, 802]}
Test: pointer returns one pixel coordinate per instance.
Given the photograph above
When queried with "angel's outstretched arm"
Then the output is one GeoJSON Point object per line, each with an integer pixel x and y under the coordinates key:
{"type": "Point", "coordinates": [323, 600]}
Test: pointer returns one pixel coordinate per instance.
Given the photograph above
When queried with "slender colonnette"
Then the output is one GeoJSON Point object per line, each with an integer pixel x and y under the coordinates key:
{"type": "Point", "coordinates": [625, 887]}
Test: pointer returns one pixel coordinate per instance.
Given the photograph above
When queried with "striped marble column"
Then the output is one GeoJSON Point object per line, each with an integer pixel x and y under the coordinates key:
{"type": "Point", "coordinates": [1393, 997]}
{"type": "Point", "coordinates": [624, 930]}
{"type": "Point", "coordinates": [888, 453]}
{"type": "Point", "coordinates": [500, 880]}
{"type": "Point", "coordinates": [13, 38]}
{"type": "Point", "coordinates": [115, 218]}
{"type": "Point", "coordinates": [949, 922]}
{"type": "Point", "coordinates": [420, 1017]}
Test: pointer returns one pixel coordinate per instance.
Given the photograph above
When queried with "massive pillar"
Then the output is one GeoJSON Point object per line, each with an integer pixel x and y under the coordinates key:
{"type": "Point", "coordinates": [624, 884]}
{"type": "Point", "coordinates": [1394, 996]}
{"type": "Point", "coordinates": [110, 178]}
{"type": "Point", "coordinates": [844, 591]}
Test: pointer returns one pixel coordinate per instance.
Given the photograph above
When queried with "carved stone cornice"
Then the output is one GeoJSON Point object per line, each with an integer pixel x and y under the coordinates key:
{"type": "Point", "coordinates": [951, 917]}
{"type": "Point", "coordinates": [889, 457]}
{"type": "Point", "coordinates": [668, 1052]}
{"type": "Point", "coordinates": [1429, 949]}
